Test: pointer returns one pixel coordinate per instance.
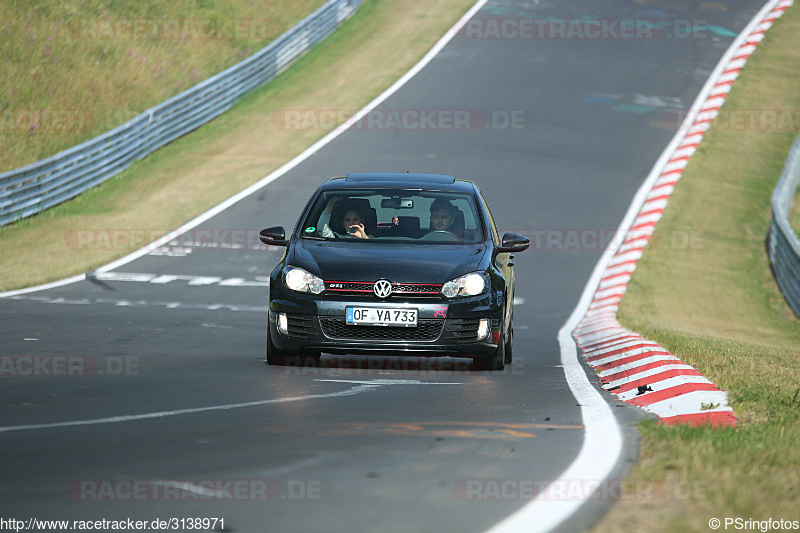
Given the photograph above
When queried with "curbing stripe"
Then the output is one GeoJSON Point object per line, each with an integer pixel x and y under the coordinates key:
{"type": "Point", "coordinates": [637, 370]}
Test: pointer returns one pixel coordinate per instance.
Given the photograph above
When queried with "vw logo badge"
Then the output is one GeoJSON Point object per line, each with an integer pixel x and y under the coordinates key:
{"type": "Point", "coordinates": [382, 288]}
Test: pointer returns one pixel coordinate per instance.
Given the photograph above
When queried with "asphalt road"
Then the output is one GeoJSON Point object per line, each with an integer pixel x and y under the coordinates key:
{"type": "Point", "coordinates": [174, 391]}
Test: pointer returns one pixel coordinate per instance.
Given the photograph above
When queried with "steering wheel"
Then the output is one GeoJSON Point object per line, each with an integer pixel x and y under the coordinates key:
{"type": "Point", "coordinates": [442, 235]}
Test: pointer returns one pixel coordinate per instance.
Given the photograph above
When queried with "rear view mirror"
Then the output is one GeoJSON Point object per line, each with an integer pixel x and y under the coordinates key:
{"type": "Point", "coordinates": [397, 203]}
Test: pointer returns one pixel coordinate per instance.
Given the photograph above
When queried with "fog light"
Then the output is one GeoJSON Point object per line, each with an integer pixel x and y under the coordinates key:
{"type": "Point", "coordinates": [483, 329]}
{"type": "Point", "coordinates": [283, 323]}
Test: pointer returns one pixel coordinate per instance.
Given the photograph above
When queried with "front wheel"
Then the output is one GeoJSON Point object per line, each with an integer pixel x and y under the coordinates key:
{"type": "Point", "coordinates": [509, 348]}
{"type": "Point", "coordinates": [274, 355]}
{"type": "Point", "coordinates": [496, 361]}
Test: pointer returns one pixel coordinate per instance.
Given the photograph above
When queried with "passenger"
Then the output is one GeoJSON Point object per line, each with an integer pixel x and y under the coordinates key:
{"type": "Point", "coordinates": [349, 224]}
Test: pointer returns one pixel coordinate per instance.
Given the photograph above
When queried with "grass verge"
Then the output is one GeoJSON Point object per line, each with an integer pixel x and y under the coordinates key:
{"type": "Point", "coordinates": [716, 305]}
{"type": "Point", "coordinates": [382, 41]}
{"type": "Point", "coordinates": [73, 70]}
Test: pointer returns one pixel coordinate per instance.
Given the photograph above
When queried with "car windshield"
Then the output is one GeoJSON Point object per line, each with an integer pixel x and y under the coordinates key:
{"type": "Point", "coordinates": [393, 216]}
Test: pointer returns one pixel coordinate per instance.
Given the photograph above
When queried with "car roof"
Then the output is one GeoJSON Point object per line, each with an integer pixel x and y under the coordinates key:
{"type": "Point", "coordinates": [400, 180]}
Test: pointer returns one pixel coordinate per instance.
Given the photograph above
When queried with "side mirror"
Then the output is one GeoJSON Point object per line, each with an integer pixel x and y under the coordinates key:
{"type": "Point", "coordinates": [513, 243]}
{"type": "Point", "coordinates": [273, 236]}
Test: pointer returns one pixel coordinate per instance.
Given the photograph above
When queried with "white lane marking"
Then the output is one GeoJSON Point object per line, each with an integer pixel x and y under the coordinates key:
{"type": "Point", "coordinates": [185, 486]}
{"type": "Point", "coordinates": [691, 403]}
{"type": "Point", "coordinates": [666, 384]}
{"type": "Point", "coordinates": [46, 286]}
{"type": "Point", "coordinates": [141, 303]}
{"type": "Point", "coordinates": [658, 350]}
{"type": "Point", "coordinates": [622, 369]}
{"type": "Point", "coordinates": [194, 281]}
{"type": "Point", "coordinates": [390, 382]}
{"type": "Point", "coordinates": [602, 445]}
{"type": "Point", "coordinates": [645, 374]}
{"type": "Point", "coordinates": [179, 412]}
{"type": "Point", "coordinates": [519, 300]}
{"type": "Point", "coordinates": [181, 248]}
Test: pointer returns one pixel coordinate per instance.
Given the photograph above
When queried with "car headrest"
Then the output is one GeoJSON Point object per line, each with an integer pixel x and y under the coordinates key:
{"type": "Point", "coordinates": [408, 223]}
{"type": "Point", "coordinates": [458, 223]}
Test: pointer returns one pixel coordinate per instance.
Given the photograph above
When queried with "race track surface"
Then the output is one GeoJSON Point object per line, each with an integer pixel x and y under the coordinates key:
{"type": "Point", "coordinates": [561, 132]}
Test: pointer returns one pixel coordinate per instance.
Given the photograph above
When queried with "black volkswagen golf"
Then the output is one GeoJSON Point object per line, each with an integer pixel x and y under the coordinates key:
{"type": "Point", "coordinates": [398, 264]}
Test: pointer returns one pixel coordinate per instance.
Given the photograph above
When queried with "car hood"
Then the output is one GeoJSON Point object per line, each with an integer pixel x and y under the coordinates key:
{"type": "Point", "coordinates": [406, 263]}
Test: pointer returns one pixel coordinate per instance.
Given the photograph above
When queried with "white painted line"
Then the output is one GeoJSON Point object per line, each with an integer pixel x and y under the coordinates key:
{"type": "Point", "coordinates": [665, 384]}
{"type": "Point", "coordinates": [143, 303]}
{"type": "Point", "coordinates": [602, 443]}
{"type": "Point", "coordinates": [624, 355]}
{"type": "Point", "coordinates": [180, 412]}
{"type": "Point", "coordinates": [636, 364]}
{"type": "Point", "coordinates": [645, 374]}
{"type": "Point", "coordinates": [46, 286]}
{"type": "Point", "coordinates": [380, 381]}
{"type": "Point", "coordinates": [691, 403]}
{"type": "Point", "coordinates": [194, 281]}
{"type": "Point", "coordinates": [591, 339]}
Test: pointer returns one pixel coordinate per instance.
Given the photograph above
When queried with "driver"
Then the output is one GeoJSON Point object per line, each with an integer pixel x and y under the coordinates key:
{"type": "Point", "coordinates": [442, 215]}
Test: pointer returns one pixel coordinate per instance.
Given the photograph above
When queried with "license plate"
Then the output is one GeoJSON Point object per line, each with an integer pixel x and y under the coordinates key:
{"type": "Point", "coordinates": [371, 316]}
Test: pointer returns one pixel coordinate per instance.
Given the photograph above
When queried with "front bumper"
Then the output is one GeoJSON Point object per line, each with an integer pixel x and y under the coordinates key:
{"type": "Point", "coordinates": [444, 328]}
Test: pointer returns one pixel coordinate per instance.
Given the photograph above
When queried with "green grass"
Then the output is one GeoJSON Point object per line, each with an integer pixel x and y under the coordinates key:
{"type": "Point", "coordinates": [717, 307]}
{"type": "Point", "coordinates": [379, 44]}
{"type": "Point", "coordinates": [84, 68]}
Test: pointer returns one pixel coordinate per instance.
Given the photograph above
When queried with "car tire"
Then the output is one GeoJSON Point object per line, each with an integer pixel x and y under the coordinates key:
{"type": "Point", "coordinates": [509, 348]}
{"type": "Point", "coordinates": [496, 361]}
{"type": "Point", "coordinates": [274, 355]}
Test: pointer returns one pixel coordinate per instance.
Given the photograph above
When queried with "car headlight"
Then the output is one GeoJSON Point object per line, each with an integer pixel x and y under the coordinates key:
{"type": "Point", "coordinates": [299, 280]}
{"type": "Point", "coordinates": [470, 284]}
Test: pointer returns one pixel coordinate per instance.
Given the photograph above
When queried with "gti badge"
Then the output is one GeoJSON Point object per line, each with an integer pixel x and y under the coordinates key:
{"type": "Point", "coordinates": [382, 288]}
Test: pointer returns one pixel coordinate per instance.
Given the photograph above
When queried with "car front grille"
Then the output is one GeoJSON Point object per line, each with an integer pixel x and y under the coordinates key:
{"type": "Point", "coordinates": [299, 326]}
{"type": "Point", "coordinates": [426, 330]}
{"type": "Point", "coordinates": [362, 288]}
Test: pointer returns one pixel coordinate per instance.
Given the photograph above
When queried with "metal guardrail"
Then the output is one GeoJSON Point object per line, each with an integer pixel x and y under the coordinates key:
{"type": "Point", "coordinates": [28, 190]}
{"type": "Point", "coordinates": [784, 246]}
